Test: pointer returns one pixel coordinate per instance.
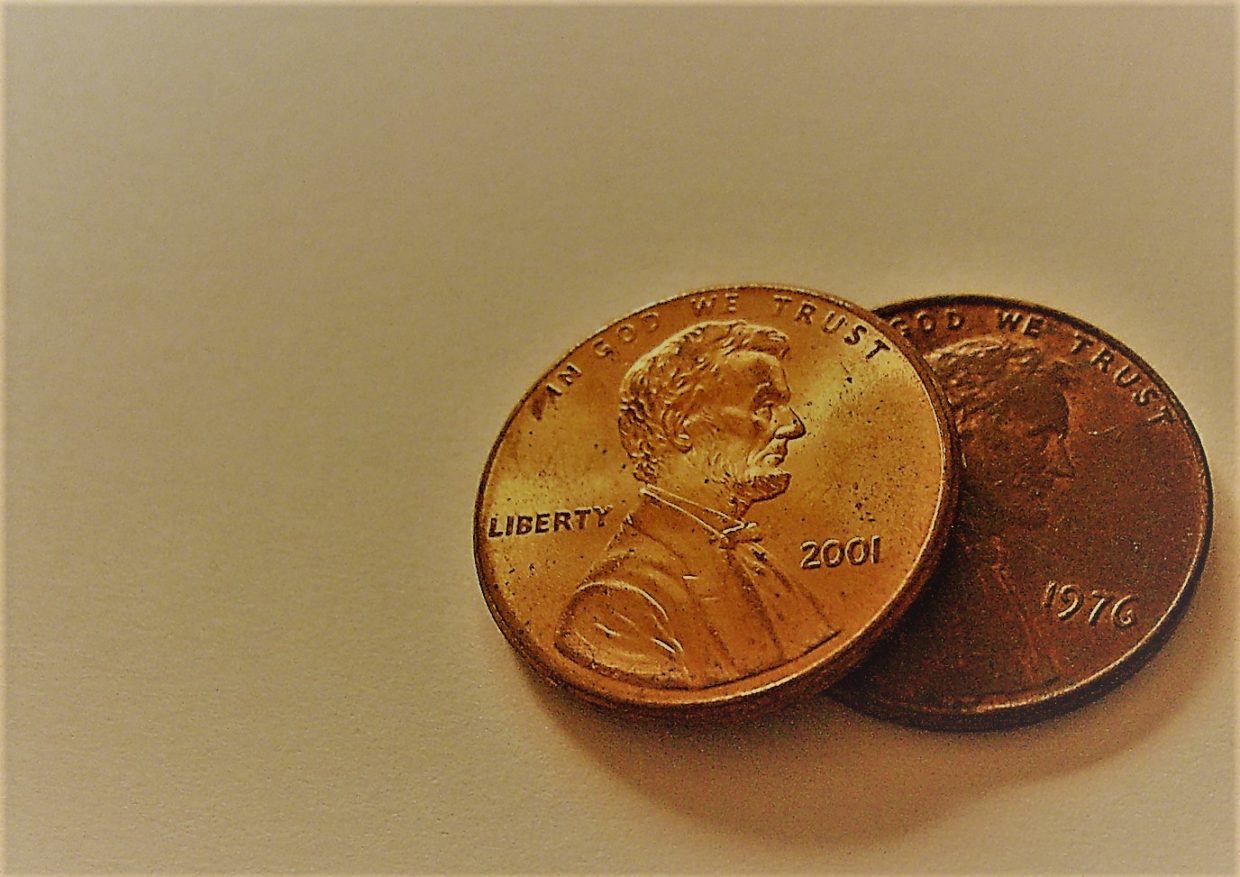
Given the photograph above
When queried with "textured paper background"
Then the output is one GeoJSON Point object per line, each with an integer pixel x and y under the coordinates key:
{"type": "Point", "coordinates": [275, 277]}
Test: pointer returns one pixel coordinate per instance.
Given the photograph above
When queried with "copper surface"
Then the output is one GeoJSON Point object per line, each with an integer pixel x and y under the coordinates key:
{"type": "Point", "coordinates": [1083, 521]}
{"type": "Point", "coordinates": [717, 503]}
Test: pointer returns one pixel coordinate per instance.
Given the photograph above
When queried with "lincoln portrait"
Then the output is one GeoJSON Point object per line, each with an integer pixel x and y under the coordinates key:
{"type": "Point", "coordinates": [685, 595]}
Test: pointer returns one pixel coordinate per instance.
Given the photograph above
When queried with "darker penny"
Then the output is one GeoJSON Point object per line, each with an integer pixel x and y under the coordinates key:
{"type": "Point", "coordinates": [1083, 521]}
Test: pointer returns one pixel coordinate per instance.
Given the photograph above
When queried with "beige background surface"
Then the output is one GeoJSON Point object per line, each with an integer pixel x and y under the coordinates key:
{"type": "Point", "coordinates": [275, 277]}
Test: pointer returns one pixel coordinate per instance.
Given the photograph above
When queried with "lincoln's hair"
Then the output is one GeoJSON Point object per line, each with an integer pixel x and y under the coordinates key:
{"type": "Point", "coordinates": [982, 377]}
{"type": "Point", "coordinates": [674, 379]}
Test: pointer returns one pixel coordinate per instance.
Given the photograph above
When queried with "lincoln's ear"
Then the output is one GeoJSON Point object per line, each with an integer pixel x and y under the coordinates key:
{"type": "Point", "coordinates": [678, 433]}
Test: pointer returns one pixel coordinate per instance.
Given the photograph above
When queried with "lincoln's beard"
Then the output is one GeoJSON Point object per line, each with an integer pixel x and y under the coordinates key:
{"type": "Point", "coordinates": [993, 502]}
{"type": "Point", "coordinates": [752, 485]}
{"type": "Point", "coordinates": [759, 487]}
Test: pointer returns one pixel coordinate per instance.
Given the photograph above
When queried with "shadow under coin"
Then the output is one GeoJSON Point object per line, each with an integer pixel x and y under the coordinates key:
{"type": "Point", "coordinates": [818, 775]}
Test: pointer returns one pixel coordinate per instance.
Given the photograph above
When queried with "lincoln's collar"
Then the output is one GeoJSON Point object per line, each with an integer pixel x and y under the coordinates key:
{"type": "Point", "coordinates": [719, 527]}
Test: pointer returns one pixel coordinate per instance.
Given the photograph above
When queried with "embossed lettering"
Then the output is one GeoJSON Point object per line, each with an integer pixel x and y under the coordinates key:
{"type": "Point", "coordinates": [1080, 341]}
{"type": "Point", "coordinates": [854, 337]}
{"type": "Point", "coordinates": [627, 332]}
{"type": "Point", "coordinates": [1143, 396]}
{"type": "Point", "coordinates": [1101, 599]}
{"type": "Point", "coordinates": [1122, 613]}
{"type": "Point", "coordinates": [833, 323]}
{"type": "Point", "coordinates": [1126, 376]}
{"type": "Point", "coordinates": [781, 302]}
{"type": "Point", "coordinates": [1012, 320]}
{"type": "Point", "coordinates": [705, 304]}
{"type": "Point", "coordinates": [1072, 597]}
{"type": "Point", "coordinates": [1009, 320]}
{"type": "Point", "coordinates": [546, 522]}
{"type": "Point", "coordinates": [565, 379]}
{"type": "Point", "coordinates": [832, 552]}
{"type": "Point", "coordinates": [929, 321]}
{"type": "Point", "coordinates": [810, 560]}
{"type": "Point", "coordinates": [879, 345]}
{"type": "Point", "coordinates": [702, 305]}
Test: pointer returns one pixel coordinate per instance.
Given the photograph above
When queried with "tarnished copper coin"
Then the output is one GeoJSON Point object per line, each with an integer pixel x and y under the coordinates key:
{"type": "Point", "coordinates": [1083, 521]}
{"type": "Point", "coordinates": [717, 503]}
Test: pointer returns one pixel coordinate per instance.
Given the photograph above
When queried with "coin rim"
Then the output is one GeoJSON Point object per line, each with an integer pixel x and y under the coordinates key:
{"type": "Point", "coordinates": [737, 699]}
{"type": "Point", "coordinates": [1034, 709]}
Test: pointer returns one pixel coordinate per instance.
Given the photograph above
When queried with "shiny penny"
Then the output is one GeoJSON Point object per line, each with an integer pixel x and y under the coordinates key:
{"type": "Point", "coordinates": [1083, 521]}
{"type": "Point", "coordinates": [717, 503]}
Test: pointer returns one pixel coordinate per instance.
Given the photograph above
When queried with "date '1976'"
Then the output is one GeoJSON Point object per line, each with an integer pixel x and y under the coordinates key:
{"type": "Point", "coordinates": [1072, 600]}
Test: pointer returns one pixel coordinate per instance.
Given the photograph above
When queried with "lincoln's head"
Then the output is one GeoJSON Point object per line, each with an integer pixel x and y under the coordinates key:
{"type": "Point", "coordinates": [1012, 418]}
{"type": "Point", "coordinates": [706, 415]}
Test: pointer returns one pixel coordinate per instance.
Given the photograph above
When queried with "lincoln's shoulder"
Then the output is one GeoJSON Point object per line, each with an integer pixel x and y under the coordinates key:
{"type": "Point", "coordinates": [635, 565]}
{"type": "Point", "coordinates": [620, 629]}
{"type": "Point", "coordinates": [635, 579]}
{"type": "Point", "coordinates": [672, 528]}
{"type": "Point", "coordinates": [653, 546]}
{"type": "Point", "coordinates": [619, 597]}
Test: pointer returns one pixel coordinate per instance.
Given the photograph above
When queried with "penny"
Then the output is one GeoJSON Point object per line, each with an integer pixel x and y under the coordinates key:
{"type": "Point", "coordinates": [1083, 521]}
{"type": "Point", "coordinates": [717, 503]}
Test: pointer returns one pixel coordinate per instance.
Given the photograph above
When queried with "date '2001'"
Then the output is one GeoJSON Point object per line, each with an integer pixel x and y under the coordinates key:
{"type": "Point", "coordinates": [831, 553]}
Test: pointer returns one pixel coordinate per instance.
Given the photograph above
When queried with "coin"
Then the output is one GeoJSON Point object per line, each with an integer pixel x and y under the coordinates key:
{"type": "Point", "coordinates": [1083, 521]}
{"type": "Point", "coordinates": [716, 503]}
